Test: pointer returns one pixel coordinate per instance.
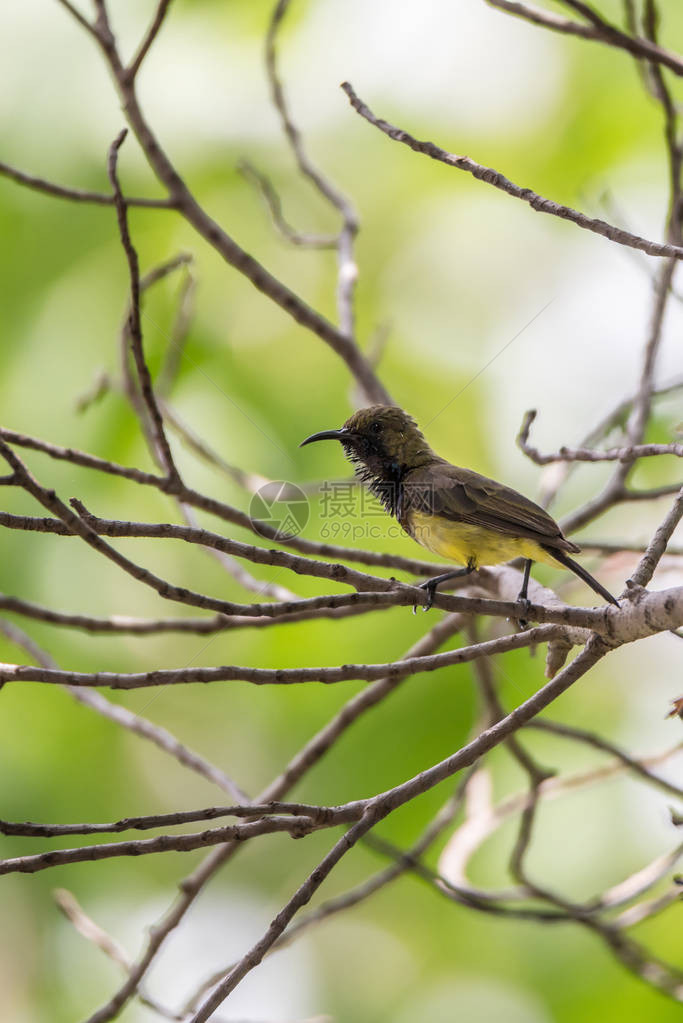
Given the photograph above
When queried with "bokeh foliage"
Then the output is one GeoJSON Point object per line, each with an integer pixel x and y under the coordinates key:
{"type": "Point", "coordinates": [455, 273]}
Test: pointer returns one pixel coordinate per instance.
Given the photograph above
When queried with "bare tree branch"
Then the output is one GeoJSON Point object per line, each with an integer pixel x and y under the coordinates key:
{"type": "Point", "coordinates": [599, 31]}
{"type": "Point", "coordinates": [598, 742]}
{"type": "Point", "coordinates": [273, 204]}
{"type": "Point", "coordinates": [76, 194]}
{"type": "Point", "coordinates": [498, 180]}
{"type": "Point", "coordinates": [381, 805]}
{"type": "Point", "coordinates": [491, 592]}
{"type": "Point", "coordinates": [152, 32]}
{"type": "Point", "coordinates": [161, 738]}
{"type": "Point", "coordinates": [297, 826]}
{"type": "Point", "coordinates": [657, 546]}
{"type": "Point", "coordinates": [215, 235]}
{"type": "Point", "coordinates": [624, 454]}
{"type": "Point", "coordinates": [348, 271]}
{"type": "Point", "coordinates": [151, 626]}
{"type": "Point", "coordinates": [135, 723]}
{"type": "Point", "coordinates": [219, 508]}
{"type": "Point", "coordinates": [325, 816]}
{"type": "Point", "coordinates": [355, 895]}
{"type": "Point", "coordinates": [95, 934]}
{"type": "Point", "coordinates": [133, 323]}
{"type": "Point", "coordinates": [281, 676]}
{"type": "Point", "coordinates": [304, 761]}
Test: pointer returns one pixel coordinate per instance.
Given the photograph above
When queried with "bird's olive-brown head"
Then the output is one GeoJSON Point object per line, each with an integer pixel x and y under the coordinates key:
{"type": "Point", "coordinates": [383, 441]}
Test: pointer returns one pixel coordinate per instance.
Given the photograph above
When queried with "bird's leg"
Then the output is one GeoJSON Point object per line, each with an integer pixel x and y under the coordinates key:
{"type": "Point", "coordinates": [522, 596]}
{"type": "Point", "coordinates": [431, 584]}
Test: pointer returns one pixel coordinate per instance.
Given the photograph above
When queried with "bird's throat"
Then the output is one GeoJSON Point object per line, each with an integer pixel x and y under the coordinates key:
{"type": "Point", "coordinates": [387, 488]}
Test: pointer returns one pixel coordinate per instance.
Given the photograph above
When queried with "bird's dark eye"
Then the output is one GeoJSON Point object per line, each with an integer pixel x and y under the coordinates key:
{"type": "Point", "coordinates": [375, 427]}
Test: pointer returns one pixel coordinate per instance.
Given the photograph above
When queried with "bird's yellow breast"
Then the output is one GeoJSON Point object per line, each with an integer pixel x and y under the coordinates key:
{"type": "Point", "coordinates": [468, 544]}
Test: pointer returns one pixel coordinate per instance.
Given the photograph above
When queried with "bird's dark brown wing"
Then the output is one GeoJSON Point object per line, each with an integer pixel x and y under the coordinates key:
{"type": "Point", "coordinates": [464, 496]}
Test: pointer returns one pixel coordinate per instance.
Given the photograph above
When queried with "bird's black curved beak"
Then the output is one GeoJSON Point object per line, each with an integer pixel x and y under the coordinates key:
{"type": "Point", "coordinates": [325, 435]}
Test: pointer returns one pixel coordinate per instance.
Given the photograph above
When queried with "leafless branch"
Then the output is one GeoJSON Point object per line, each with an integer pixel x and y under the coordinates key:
{"type": "Point", "coordinates": [658, 544]}
{"type": "Point", "coordinates": [160, 737]}
{"type": "Point", "coordinates": [51, 188]}
{"type": "Point", "coordinates": [381, 805]}
{"type": "Point", "coordinates": [614, 547]}
{"type": "Point", "coordinates": [498, 180]}
{"type": "Point", "coordinates": [250, 481]}
{"type": "Point", "coordinates": [494, 712]}
{"type": "Point", "coordinates": [273, 204]}
{"type": "Point", "coordinates": [92, 932]}
{"type": "Point", "coordinates": [598, 742]}
{"type": "Point", "coordinates": [184, 201]}
{"type": "Point", "coordinates": [348, 271]}
{"type": "Point", "coordinates": [150, 626]}
{"type": "Point", "coordinates": [491, 592]}
{"type": "Point", "coordinates": [135, 723]}
{"type": "Point", "coordinates": [642, 880]}
{"type": "Point", "coordinates": [152, 32]}
{"type": "Point", "coordinates": [161, 843]}
{"type": "Point", "coordinates": [624, 454]}
{"type": "Point", "coordinates": [356, 895]}
{"type": "Point", "coordinates": [615, 418]}
{"type": "Point", "coordinates": [237, 571]}
{"type": "Point", "coordinates": [280, 676]}
{"type": "Point", "coordinates": [133, 323]}
{"type": "Point", "coordinates": [303, 762]}
{"type": "Point", "coordinates": [177, 338]}
{"type": "Point", "coordinates": [222, 510]}
{"type": "Point", "coordinates": [599, 30]}
{"type": "Point", "coordinates": [326, 816]}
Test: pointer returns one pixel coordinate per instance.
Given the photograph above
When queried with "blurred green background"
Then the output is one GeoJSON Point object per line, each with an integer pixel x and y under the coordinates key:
{"type": "Point", "coordinates": [453, 271]}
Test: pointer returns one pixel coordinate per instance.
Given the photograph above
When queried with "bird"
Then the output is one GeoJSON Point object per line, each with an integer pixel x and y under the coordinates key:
{"type": "Point", "coordinates": [454, 512]}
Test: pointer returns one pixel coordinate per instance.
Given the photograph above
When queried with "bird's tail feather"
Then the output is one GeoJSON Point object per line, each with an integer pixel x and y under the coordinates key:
{"type": "Point", "coordinates": [579, 570]}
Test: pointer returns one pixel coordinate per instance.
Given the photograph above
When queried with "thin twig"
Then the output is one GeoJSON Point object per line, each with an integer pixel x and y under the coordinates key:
{"type": "Point", "coordinates": [219, 508]}
{"type": "Point", "coordinates": [498, 180]}
{"type": "Point", "coordinates": [347, 269]}
{"type": "Point", "coordinates": [151, 626]}
{"type": "Point", "coordinates": [657, 546]}
{"type": "Point", "coordinates": [92, 932]}
{"type": "Point", "coordinates": [599, 31]}
{"type": "Point", "coordinates": [296, 826]}
{"type": "Point", "coordinates": [184, 201]}
{"type": "Point", "coordinates": [51, 188]}
{"type": "Point", "coordinates": [236, 569]}
{"type": "Point", "coordinates": [495, 711]}
{"type": "Point", "coordinates": [281, 676]}
{"type": "Point", "coordinates": [175, 349]}
{"type": "Point", "coordinates": [160, 737]}
{"type": "Point", "coordinates": [381, 805]}
{"type": "Point", "coordinates": [133, 322]}
{"type": "Point", "coordinates": [305, 760]}
{"type": "Point", "coordinates": [325, 815]}
{"type": "Point", "coordinates": [616, 417]}
{"type": "Point", "coordinates": [273, 204]}
{"type": "Point", "coordinates": [628, 453]}
{"type": "Point", "coordinates": [150, 36]}
{"type": "Point", "coordinates": [252, 482]}
{"type": "Point", "coordinates": [605, 746]}
{"type": "Point", "coordinates": [355, 895]}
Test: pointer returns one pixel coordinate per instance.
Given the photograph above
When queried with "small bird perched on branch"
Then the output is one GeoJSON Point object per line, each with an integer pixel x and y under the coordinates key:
{"type": "Point", "coordinates": [453, 512]}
